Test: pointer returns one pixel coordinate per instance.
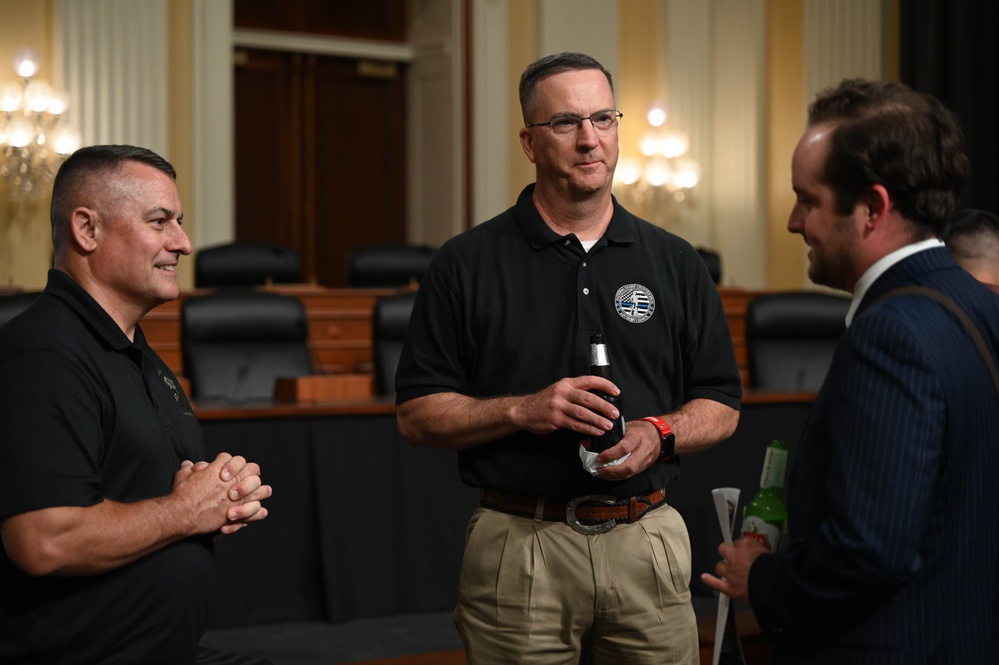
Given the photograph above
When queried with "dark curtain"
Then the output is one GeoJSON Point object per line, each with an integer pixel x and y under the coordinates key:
{"type": "Point", "coordinates": [949, 49]}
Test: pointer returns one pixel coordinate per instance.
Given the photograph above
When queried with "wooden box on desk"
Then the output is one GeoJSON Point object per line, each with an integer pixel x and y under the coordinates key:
{"type": "Point", "coordinates": [324, 388]}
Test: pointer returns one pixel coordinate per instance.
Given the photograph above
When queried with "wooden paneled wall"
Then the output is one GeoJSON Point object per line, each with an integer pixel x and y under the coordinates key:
{"type": "Point", "coordinates": [340, 327]}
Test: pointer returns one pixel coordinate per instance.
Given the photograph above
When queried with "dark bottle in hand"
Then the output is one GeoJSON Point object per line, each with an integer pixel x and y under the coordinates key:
{"type": "Point", "coordinates": [600, 366]}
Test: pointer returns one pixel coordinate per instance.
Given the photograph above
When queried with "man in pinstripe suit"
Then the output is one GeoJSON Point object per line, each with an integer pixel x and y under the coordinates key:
{"type": "Point", "coordinates": [893, 547]}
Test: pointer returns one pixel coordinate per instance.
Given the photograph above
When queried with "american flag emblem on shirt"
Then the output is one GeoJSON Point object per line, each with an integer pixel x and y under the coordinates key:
{"type": "Point", "coordinates": [634, 303]}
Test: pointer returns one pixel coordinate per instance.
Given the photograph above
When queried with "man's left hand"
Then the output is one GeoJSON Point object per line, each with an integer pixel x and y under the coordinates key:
{"type": "Point", "coordinates": [733, 569]}
{"type": "Point", "coordinates": [642, 440]}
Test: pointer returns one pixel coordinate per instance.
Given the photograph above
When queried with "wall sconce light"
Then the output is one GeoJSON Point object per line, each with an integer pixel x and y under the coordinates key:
{"type": "Point", "coordinates": [662, 182]}
{"type": "Point", "coordinates": [34, 137]}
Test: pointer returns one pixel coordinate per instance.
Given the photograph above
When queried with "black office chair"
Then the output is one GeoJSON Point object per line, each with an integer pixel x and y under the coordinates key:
{"type": "Point", "coordinates": [246, 264]}
{"type": "Point", "coordinates": [388, 327]}
{"type": "Point", "coordinates": [791, 337]}
{"type": "Point", "coordinates": [712, 260]}
{"type": "Point", "coordinates": [11, 306]}
{"type": "Point", "coordinates": [388, 265]}
{"type": "Point", "coordinates": [235, 344]}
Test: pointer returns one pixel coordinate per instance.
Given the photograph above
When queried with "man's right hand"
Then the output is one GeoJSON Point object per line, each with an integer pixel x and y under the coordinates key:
{"type": "Point", "coordinates": [453, 421]}
{"type": "Point", "coordinates": [568, 404]}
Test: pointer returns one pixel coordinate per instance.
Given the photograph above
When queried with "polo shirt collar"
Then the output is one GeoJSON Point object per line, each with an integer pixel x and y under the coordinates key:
{"type": "Point", "coordinates": [622, 229]}
{"type": "Point", "coordinates": [90, 312]}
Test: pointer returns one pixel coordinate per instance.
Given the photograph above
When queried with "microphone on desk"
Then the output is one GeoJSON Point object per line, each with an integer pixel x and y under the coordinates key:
{"type": "Point", "coordinates": [242, 374]}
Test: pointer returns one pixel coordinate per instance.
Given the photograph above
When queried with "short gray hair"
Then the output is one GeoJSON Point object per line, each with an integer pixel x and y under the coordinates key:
{"type": "Point", "coordinates": [88, 166]}
{"type": "Point", "coordinates": [557, 63]}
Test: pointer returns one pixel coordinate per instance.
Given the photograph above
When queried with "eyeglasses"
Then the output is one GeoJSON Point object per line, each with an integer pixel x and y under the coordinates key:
{"type": "Point", "coordinates": [602, 121]}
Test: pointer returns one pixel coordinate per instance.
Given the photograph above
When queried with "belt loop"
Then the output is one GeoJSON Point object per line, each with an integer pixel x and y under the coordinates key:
{"type": "Point", "coordinates": [539, 510]}
{"type": "Point", "coordinates": [633, 513]}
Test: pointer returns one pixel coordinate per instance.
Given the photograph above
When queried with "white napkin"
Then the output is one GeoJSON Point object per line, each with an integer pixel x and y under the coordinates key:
{"type": "Point", "coordinates": [589, 460]}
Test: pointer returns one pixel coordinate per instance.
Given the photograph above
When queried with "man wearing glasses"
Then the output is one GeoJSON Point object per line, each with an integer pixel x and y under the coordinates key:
{"type": "Point", "coordinates": [567, 561]}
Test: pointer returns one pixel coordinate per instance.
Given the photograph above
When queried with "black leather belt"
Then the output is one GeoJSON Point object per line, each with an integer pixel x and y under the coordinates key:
{"type": "Point", "coordinates": [586, 514]}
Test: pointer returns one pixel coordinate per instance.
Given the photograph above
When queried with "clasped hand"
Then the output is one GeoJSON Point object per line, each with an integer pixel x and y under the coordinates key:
{"type": "Point", "coordinates": [223, 495]}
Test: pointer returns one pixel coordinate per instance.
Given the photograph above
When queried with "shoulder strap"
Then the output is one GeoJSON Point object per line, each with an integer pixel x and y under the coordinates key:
{"type": "Point", "coordinates": [947, 302]}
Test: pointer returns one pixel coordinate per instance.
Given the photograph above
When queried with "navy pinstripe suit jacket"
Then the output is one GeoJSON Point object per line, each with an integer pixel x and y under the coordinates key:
{"type": "Point", "coordinates": [893, 494]}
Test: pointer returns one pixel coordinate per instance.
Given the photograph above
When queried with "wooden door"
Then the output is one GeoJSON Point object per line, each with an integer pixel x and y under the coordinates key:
{"type": "Point", "coordinates": [320, 155]}
{"type": "Point", "coordinates": [370, 19]}
{"type": "Point", "coordinates": [359, 133]}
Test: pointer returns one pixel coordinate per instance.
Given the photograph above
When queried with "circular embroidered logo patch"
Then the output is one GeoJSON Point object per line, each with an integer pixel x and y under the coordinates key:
{"type": "Point", "coordinates": [634, 303]}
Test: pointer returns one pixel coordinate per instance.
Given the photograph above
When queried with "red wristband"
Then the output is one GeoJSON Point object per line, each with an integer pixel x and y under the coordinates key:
{"type": "Point", "coordinates": [667, 441]}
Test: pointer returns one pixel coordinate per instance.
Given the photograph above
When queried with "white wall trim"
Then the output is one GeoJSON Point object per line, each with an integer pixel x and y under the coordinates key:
{"type": "Point", "coordinates": [689, 95]}
{"type": "Point", "coordinates": [213, 139]}
{"type": "Point", "coordinates": [435, 101]}
{"type": "Point", "coordinates": [843, 39]}
{"type": "Point", "coordinates": [717, 81]}
{"type": "Point", "coordinates": [738, 162]}
{"type": "Point", "coordinates": [115, 66]}
{"type": "Point", "coordinates": [334, 46]}
{"type": "Point", "coordinates": [588, 26]}
{"type": "Point", "coordinates": [489, 149]}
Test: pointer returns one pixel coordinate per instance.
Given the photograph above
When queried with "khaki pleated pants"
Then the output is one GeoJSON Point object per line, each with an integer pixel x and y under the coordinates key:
{"type": "Point", "coordinates": [538, 593]}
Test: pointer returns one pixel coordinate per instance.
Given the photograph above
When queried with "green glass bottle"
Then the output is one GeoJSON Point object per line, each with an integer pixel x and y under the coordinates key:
{"type": "Point", "coordinates": [765, 517]}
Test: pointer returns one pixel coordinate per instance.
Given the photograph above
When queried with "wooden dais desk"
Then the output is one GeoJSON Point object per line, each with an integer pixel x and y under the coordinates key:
{"type": "Point", "coordinates": [340, 326]}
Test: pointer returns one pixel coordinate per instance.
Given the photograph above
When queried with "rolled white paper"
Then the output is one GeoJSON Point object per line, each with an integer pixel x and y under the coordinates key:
{"type": "Point", "coordinates": [726, 501]}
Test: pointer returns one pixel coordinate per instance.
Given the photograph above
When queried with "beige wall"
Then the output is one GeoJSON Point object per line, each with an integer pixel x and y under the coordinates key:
{"type": "Point", "coordinates": [785, 119]}
{"type": "Point", "coordinates": [24, 243]}
{"type": "Point", "coordinates": [182, 122]}
{"type": "Point", "coordinates": [523, 51]}
{"type": "Point", "coordinates": [637, 85]}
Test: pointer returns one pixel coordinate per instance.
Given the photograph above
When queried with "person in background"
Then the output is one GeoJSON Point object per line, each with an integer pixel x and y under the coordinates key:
{"type": "Point", "coordinates": [893, 517]}
{"type": "Point", "coordinates": [564, 562]}
{"type": "Point", "coordinates": [107, 511]}
{"type": "Point", "coordinates": [973, 238]}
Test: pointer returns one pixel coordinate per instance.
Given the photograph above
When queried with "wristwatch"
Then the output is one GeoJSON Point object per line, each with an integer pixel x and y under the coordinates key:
{"type": "Point", "coordinates": [667, 442]}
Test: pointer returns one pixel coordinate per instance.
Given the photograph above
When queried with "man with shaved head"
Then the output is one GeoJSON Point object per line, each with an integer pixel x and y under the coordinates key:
{"type": "Point", "coordinates": [973, 238]}
{"type": "Point", "coordinates": [107, 511]}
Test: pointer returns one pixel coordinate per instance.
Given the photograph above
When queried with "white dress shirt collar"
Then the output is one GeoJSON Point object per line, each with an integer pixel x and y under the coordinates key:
{"type": "Point", "coordinates": [880, 266]}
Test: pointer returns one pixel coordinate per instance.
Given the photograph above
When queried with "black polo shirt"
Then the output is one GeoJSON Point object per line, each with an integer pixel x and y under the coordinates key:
{"type": "Point", "coordinates": [87, 415]}
{"type": "Point", "coordinates": [508, 308]}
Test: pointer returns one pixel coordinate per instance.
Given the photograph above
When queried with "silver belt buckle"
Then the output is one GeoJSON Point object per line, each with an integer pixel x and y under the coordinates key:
{"type": "Point", "coordinates": [587, 530]}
